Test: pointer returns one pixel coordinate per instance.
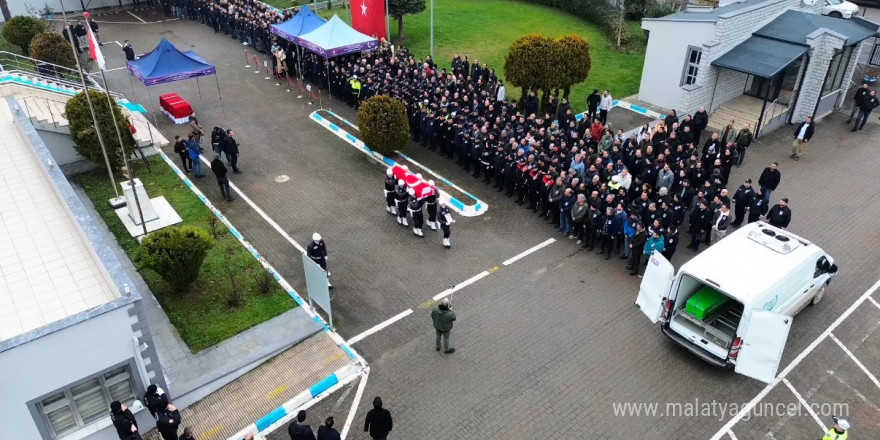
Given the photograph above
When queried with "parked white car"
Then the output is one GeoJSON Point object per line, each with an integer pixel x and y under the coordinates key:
{"type": "Point", "coordinates": [840, 9]}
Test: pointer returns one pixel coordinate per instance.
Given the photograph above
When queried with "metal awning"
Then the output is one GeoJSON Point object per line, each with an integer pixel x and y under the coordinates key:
{"type": "Point", "coordinates": [760, 56]}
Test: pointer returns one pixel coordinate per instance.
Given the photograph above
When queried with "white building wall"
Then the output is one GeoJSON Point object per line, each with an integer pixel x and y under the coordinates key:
{"type": "Point", "coordinates": [665, 57]}
{"type": "Point", "coordinates": [823, 45]}
{"type": "Point", "coordinates": [35, 7]}
{"type": "Point", "coordinates": [55, 361]}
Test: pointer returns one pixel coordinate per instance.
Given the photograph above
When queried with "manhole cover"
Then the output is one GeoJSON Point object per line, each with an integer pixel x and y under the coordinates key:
{"type": "Point", "coordinates": [282, 178]}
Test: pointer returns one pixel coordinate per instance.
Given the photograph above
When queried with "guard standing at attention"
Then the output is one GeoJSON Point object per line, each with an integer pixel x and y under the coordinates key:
{"type": "Point", "coordinates": [390, 183]}
{"type": "Point", "coordinates": [414, 206]}
{"type": "Point", "coordinates": [446, 221]}
{"type": "Point", "coordinates": [400, 197]}
{"type": "Point", "coordinates": [317, 251]}
{"type": "Point", "coordinates": [431, 205]}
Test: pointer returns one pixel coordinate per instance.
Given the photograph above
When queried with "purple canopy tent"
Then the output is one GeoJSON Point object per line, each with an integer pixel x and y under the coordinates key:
{"type": "Point", "coordinates": [166, 64]}
{"type": "Point", "coordinates": [303, 22]}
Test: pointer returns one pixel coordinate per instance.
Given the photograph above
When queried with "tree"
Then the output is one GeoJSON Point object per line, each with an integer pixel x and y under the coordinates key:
{"type": "Point", "coordinates": [175, 253]}
{"type": "Point", "coordinates": [399, 8]}
{"type": "Point", "coordinates": [526, 64]}
{"type": "Point", "coordinates": [383, 124]}
{"type": "Point", "coordinates": [574, 62]}
{"type": "Point", "coordinates": [22, 29]}
{"type": "Point", "coordinates": [52, 48]}
{"type": "Point", "coordinates": [84, 135]}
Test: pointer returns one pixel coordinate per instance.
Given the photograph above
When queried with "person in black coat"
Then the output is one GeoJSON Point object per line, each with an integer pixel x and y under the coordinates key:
{"type": "Point", "coordinates": [769, 180]}
{"type": "Point", "coordinates": [802, 135]}
{"type": "Point", "coordinates": [701, 121]}
{"type": "Point", "coordinates": [758, 207]}
{"type": "Point", "coordinates": [180, 149]}
{"type": "Point", "coordinates": [743, 199]}
{"type": "Point", "coordinates": [780, 214]}
{"type": "Point", "coordinates": [154, 399]}
{"type": "Point", "coordinates": [168, 422]}
{"type": "Point", "coordinates": [327, 431]}
{"type": "Point", "coordinates": [378, 422]}
{"type": "Point", "coordinates": [298, 430]}
{"type": "Point", "coordinates": [69, 34]}
{"type": "Point", "coordinates": [861, 92]}
{"type": "Point", "coordinates": [129, 51]}
{"type": "Point", "coordinates": [124, 421]}
{"type": "Point", "coordinates": [866, 105]}
{"type": "Point", "coordinates": [701, 219]}
{"type": "Point", "coordinates": [220, 173]}
{"type": "Point", "coordinates": [230, 148]}
{"type": "Point", "coordinates": [593, 104]}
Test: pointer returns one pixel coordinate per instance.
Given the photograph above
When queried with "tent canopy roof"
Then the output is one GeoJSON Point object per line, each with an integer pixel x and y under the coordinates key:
{"type": "Point", "coordinates": [303, 22]}
{"type": "Point", "coordinates": [336, 38]}
{"type": "Point", "coordinates": [166, 63]}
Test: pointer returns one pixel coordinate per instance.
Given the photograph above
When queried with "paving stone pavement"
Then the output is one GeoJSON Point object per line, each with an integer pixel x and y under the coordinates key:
{"type": "Point", "coordinates": [546, 345]}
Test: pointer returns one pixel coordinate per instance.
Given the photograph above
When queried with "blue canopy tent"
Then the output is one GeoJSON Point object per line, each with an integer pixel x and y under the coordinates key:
{"type": "Point", "coordinates": [335, 38]}
{"type": "Point", "coordinates": [166, 64]}
{"type": "Point", "coordinates": [303, 22]}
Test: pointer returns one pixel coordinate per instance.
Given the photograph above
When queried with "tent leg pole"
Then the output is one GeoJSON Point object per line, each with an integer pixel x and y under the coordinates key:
{"type": "Point", "coordinates": [220, 95]}
{"type": "Point", "coordinates": [199, 88]}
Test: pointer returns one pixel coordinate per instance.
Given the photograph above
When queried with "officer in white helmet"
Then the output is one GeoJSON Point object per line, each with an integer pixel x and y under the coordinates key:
{"type": "Point", "coordinates": [414, 206]}
{"type": "Point", "coordinates": [390, 183]}
{"type": "Point", "coordinates": [431, 205]}
{"type": "Point", "coordinates": [444, 215]}
{"type": "Point", "coordinates": [840, 430]}
{"type": "Point", "coordinates": [317, 251]}
{"type": "Point", "coordinates": [400, 198]}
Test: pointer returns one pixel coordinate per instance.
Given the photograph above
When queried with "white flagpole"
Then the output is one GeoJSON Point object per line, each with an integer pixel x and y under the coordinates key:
{"type": "Point", "coordinates": [82, 78]}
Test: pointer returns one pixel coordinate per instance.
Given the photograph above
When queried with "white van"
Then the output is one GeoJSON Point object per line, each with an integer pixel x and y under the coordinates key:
{"type": "Point", "coordinates": [733, 304]}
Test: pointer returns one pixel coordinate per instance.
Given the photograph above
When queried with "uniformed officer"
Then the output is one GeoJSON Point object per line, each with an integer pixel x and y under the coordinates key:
{"type": "Point", "coordinates": [317, 251]}
{"type": "Point", "coordinates": [400, 197]}
{"type": "Point", "coordinates": [838, 431]}
{"type": "Point", "coordinates": [390, 183]}
{"type": "Point", "coordinates": [414, 206]}
{"type": "Point", "coordinates": [445, 217]}
{"type": "Point", "coordinates": [431, 205]}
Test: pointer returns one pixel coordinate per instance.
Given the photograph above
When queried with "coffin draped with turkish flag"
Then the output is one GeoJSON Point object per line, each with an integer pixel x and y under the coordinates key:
{"type": "Point", "coordinates": [368, 17]}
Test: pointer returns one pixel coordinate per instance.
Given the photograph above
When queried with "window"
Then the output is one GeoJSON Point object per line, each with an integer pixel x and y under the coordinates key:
{"type": "Point", "coordinates": [691, 66]}
{"type": "Point", "coordinates": [837, 70]}
{"type": "Point", "coordinates": [875, 55]}
{"type": "Point", "coordinates": [72, 408]}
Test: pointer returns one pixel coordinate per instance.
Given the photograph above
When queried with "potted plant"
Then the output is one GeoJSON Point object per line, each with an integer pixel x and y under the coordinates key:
{"type": "Point", "coordinates": [871, 76]}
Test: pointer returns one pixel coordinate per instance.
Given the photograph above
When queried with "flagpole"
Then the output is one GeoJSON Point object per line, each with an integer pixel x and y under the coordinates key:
{"type": "Point", "coordinates": [112, 106]}
{"type": "Point", "coordinates": [388, 23]}
{"type": "Point", "coordinates": [82, 78]}
{"type": "Point", "coordinates": [432, 28]}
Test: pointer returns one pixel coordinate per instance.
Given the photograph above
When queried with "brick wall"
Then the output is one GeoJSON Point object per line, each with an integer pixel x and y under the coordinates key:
{"type": "Point", "coordinates": [822, 47]}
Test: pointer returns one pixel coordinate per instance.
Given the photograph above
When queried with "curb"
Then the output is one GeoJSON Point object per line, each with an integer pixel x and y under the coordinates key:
{"type": "Point", "coordinates": [478, 207]}
{"type": "Point", "coordinates": [628, 106]}
{"type": "Point", "coordinates": [331, 382]}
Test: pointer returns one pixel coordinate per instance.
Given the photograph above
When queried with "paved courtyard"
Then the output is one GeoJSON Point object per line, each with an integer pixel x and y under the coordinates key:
{"type": "Point", "coordinates": [548, 344]}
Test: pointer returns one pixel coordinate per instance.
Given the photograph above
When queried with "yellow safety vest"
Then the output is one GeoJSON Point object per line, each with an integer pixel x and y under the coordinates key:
{"type": "Point", "coordinates": [833, 435]}
{"type": "Point", "coordinates": [356, 87]}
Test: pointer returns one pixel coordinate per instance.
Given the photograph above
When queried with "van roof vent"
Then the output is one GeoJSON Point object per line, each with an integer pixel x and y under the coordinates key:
{"type": "Point", "coordinates": [774, 240]}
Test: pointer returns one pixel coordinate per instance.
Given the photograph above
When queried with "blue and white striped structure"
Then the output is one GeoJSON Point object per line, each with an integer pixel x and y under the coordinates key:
{"type": "Point", "coordinates": [628, 106]}
{"type": "Point", "coordinates": [331, 382]}
{"type": "Point", "coordinates": [478, 206]}
{"type": "Point", "coordinates": [25, 81]}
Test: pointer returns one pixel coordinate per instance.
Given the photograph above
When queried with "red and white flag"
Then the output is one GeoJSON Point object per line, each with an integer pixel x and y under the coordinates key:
{"type": "Point", "coordinates": [368, 17]}
{"type": "Point", "coordinates": [95, 49]}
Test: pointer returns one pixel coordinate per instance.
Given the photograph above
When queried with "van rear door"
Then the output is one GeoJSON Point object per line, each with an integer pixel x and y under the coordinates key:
{"type": "Point", "coordinates": [762, 347]}
{"type": "Point", "coordinates": [655, 286]}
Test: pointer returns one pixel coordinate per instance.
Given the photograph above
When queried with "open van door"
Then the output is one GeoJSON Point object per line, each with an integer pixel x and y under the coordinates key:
{"type": "Point", "coordinates": [763, 344]}
{"type": "Point", "coordinates": [655, 286]}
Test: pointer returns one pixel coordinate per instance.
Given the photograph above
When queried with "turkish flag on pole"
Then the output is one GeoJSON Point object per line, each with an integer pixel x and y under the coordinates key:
{"type": "Point", "coordinates": [368, 17]}
{"type": "Point", "coordinates": [95, 49]}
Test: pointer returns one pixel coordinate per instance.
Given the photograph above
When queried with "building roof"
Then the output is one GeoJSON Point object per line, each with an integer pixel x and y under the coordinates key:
{"type": "Point", "coordinates": [794, 27]}
{"type": "Point", "coordinates": [48, 269]}
{"type": "Point", "coordinates": [764, 266]}
{"type": "Point", "coordinates": [708, 16]}
{"type": "Point", "coordinates": [760, 56]}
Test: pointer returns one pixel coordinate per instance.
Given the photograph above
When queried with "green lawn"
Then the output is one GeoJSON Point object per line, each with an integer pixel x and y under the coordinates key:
{"type": "Point", "coordinates": [201, 315]}
{"type": "Point", "coordinates": [484, 29]}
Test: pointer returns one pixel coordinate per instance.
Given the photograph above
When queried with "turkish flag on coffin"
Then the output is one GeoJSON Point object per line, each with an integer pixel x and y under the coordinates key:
{"type": "Point", "coordinates": [368, 17]}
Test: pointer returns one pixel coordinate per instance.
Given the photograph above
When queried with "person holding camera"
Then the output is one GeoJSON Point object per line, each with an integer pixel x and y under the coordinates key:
{"type": "Point", "coordinates": [443, 318]}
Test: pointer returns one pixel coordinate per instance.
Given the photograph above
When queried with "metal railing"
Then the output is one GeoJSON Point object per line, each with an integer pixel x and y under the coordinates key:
{"type": "Point", "coordinates": [14, 62]}
{"type": "Point", "coordinates": [31, 113]}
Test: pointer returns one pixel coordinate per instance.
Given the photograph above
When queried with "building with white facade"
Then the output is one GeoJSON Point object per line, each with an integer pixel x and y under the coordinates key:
{"type": "Point", "coordinates": [763, 62]}
{"type": "Point", "coordinates": [72, 335]}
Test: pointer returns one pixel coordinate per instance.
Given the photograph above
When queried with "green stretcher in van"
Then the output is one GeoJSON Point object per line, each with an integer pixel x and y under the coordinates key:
{"type": "Point", "coordinates": [705, 303]}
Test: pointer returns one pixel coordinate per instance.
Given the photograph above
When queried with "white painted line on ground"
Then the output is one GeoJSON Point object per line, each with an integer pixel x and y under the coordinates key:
{"type": "Point", "coordinates": [354, 405]}
{"type": "Point", "coordinates": [461, 285]}
{"type": "Point", "coordinates": [874, 302]}
{"type": "Point", "coordinates": [856, 360]}
{"type": "Point", "coordinates": [381, 326]}
{"type": "Point", "coordinates": [259, 211]}
{"type": "Point", "coordinates": [805, 404]}
{"type": "Point", "coordinates": [135, 16]}
{"type": "Point", "coordinates": [800, 358]}
{"type": "Point", "coordinates": [520, 255]}
{"type": "Point", "coordinates": [732, 437]}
